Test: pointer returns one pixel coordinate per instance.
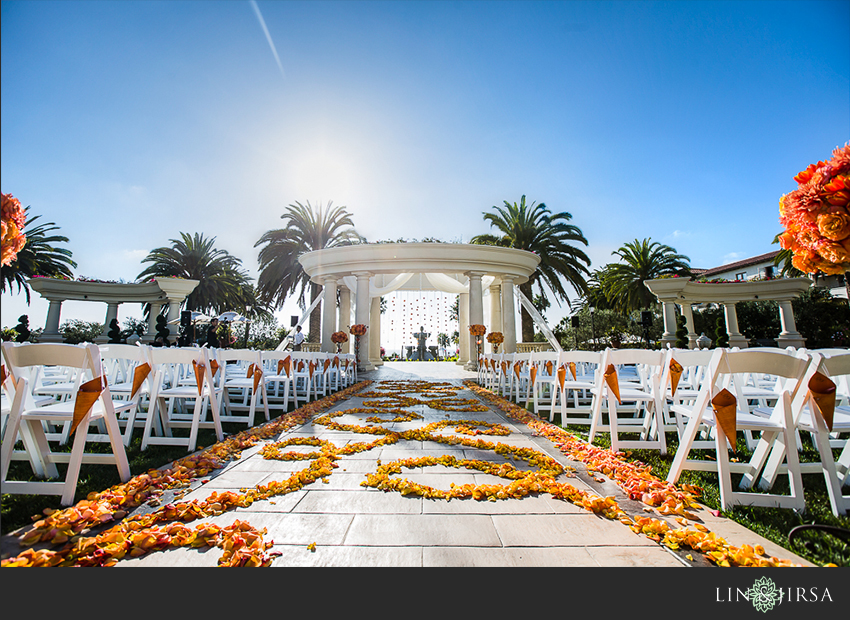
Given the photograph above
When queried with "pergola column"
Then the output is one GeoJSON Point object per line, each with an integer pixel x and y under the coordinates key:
{"type": "Point", "coordinates": [463, 328]}
{"type": "Point", "coordinates": [51, 326]}
{"type": "Point", "coordinates": [736, 339]}
{"type": "Point", "coordinates": [476, 315]}
{"type": "Point", "coordinates": [344, 316]}
{"type": "Point", "coordinates": [495, 309]}
{"type": "Point", "coordinates": [789, 336]}
{"type": "Point", "coordinates": [329, 314]}
{"type": "Point", "coordinates": [669, 314]}
{"type": "Point", "coordinates": [361, 316]}
{"type": "Point", "coordinates": [508, 315]}
{"type": "Point", "coordinates": [173, 317]}
{"type": "Point", "coordinates": [375, 328]}
{"type": "Point", "coordinates": [111, 313]}
{"type": "Point", "coordinates": [151, 335]}
{"type": "Point", "coordinates": [688, 313]}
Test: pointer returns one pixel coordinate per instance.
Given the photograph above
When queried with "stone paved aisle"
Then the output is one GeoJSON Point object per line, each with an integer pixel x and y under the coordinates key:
{"type": "Point", "coordinates": [353, 525]}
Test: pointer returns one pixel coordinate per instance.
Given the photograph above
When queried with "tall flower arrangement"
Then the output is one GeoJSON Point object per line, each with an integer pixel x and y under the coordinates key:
{"type": "Point", "coordinates": [816, 217]}
{"type": "Point", "coordinates": [13, 221]}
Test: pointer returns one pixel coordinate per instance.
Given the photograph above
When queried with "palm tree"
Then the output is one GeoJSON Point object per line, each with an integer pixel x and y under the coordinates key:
{"type": "Point", "coordinates": [623, 282]}
{"type": "Point", "coordinates": [307, 229]}
{"type": "Point", "coordinates": [549, 235]}
{"type": "Point", "coordinates": [39, 257]}
{"type": "Point", "coordinates": [222, 283]}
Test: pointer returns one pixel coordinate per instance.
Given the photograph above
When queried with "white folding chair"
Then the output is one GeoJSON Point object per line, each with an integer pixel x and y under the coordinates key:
{"type": "Point", "coordinates": [303, 369]}
{"type": "Point", "coordinates": [545, 366]}
{"type": "Point", "coordinates": [810, 418]}
{"type": "Point", "coordinates": [278, 371]}
{"type": "Point", "coordinates": [639, 373]}
{"type": "Point", "coordinates": [175, 386]}
{"type": "Point", "coordinates": [575, 394]}
{"type": "Point", "coordinates": [717, 407]}
{"type": "Point", "coordinates": [520, 373]}
{"type": "Point", "coordinates": [90, 403]}
{"type": "Point", "coordinates": [129, 373]}
{"type": "Point", "coordinates": [244, 374]}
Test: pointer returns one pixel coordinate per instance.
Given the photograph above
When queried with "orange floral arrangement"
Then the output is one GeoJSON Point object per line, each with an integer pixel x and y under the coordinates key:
{"type": "Point", "coordinates": [495, 338]}
{"type": "Point", "coordinates": [358, 330]}
{"type": "Point", "coordinates": [816, 217]}
{"type": "Point", "coordinates": [13, 237]}
{"type": "Point", "coordinates": [339, 337]}
{"type": "Point", "coordinates": [477, 330]}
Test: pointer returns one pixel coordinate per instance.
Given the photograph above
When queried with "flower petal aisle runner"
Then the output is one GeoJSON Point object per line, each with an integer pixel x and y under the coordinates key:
{"type": "Point", "coordinates": [386, 402]}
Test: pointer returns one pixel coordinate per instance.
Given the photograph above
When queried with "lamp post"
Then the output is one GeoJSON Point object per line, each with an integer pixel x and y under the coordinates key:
{"type": "Point", "coordinates": [247, 325]}
{"type": "Point", "coordinates": [593, 327]}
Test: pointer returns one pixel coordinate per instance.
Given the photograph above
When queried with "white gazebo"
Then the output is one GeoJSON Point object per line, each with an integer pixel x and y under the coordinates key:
{"type": "Point", "coordinates": [686, 292]}
{"type": "Point", "coordinates": [370, 271]}
{"type": "Point", "coordinates": [159, 292]}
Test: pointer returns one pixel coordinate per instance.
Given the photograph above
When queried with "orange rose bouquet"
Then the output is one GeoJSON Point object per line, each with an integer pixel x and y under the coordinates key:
{"type": "Point", "coordinates": [477, 330]}
{"type": "Point", "coordinates": [816, 216]}
{"type": "Point", "coordinates": [13, 237]}
{"type": "Point", "coordinates": [495, 338]}
{"type": "Point", "coordinates": [358, 330]}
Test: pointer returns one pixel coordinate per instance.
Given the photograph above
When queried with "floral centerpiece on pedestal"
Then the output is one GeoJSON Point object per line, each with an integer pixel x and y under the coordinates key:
{"type": "Point", "coordinates": [477, 331]}
{"type": "Point", "coordinates": [338, 338]}
{"type": "Point", "coordinates": [495, 338]}
{"type": "Point", "coordinates": [357, 331]}
{"type": "Point", "coordinates": [816, 217]}
{"type": "Point", "coordinates": [13, 221]}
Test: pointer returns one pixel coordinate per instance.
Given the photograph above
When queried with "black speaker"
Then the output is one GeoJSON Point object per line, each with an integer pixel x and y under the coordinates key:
{"type": "Point", "coordinates": [646, 318]}
{"type": "Point", "coordinates": [293, 321]}
{"type": "Point", "coordinates": [185, 318]}
{"type": "Point", "coordinates": [574, 321]}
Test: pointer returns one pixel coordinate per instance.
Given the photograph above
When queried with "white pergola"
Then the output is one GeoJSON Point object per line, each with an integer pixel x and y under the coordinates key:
{"type": "Point", "coordinates": [159, 292]}
{"type": "Point", "coordinates": [686, 292]}
{"type": "Point", "coordinates": [370, 271]}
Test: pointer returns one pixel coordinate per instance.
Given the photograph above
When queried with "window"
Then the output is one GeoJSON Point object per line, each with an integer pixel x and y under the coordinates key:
{"type": "Point", "coordinates": [741, 276]}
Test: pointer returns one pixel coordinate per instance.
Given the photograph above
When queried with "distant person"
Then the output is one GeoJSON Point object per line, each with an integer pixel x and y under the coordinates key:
{"type": "Point", "coordinates": [297, 339]}
{"type": "Point", "coordinates": [212, 336]}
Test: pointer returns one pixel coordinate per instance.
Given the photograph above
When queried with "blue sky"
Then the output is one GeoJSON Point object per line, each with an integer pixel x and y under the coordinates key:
{"type": "Point", "coordinates": [128, 122]}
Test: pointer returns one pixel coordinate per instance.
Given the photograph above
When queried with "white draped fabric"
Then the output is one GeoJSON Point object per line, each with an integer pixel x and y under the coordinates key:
{"type": "Point", "coordinates": [439, 281]}
{"type": "Point", "coordinates": [379, 291]}
{"type": "Point", "coordinates": [447, 284]}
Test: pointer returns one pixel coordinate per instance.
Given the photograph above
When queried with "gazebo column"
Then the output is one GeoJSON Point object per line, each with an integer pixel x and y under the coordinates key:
{"type": "Point", "coordinates": [495, 309]}
{"type": "Point", "coordinates": [151, 335]}
{"type": "Point", "coordinates": [789, 336]}
{"type": "Point", "coordinates": [344, 321]}
{"type": "Point", "coordinates": [688, 313]}
{"type": "Point", "coordinates": [736, 339]}
{"type": "Point", "coordinates": [375, 328]}
{"type": "Point", "coordinates": [329, 314]}
{"type": "Point", "coordinates": [463, 328]}
{"type": "Point", "coordinates": [476, 315]}
{"type": "Point", "coordinates": [173, 317]}
{"type": "Point", "coordinates": [361, 316]}
{"type": "Point", "coordinates": [111, 313]}
{"type": "Point", "coordinates": [669, 313]}
{"type": "Point", "coordinates": [51, 326]}
{"type": "Point", "coordinates": [508, 315]}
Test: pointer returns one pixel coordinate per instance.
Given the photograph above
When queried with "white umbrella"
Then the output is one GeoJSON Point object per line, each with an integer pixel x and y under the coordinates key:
{"type": "Point", "coordinates": [232, 317]}
{"type": "Point", "coordinates": [197, 317]}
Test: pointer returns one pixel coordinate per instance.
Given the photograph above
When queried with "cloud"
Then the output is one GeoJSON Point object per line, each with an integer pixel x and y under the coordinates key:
{"type": "Point", "coordinates": [731, 258]}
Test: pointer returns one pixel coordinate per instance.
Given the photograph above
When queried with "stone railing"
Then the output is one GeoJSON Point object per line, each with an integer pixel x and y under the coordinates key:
{"type": "Point", "coordinates": [533, 347]}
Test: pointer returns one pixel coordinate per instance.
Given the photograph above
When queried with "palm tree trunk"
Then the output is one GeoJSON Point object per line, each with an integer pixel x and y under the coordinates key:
{"type": "Point", "coordinates": [525, 318]}
{"type": "Point", "coordinates": [315, 334]}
